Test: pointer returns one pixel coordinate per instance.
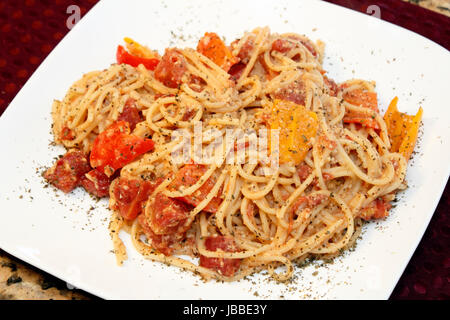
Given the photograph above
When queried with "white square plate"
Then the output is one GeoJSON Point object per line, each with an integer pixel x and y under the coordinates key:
{"type": "Point", "coordinates": [67, 236]}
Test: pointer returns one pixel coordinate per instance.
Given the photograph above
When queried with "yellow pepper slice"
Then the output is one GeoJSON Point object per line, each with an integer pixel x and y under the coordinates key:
{"type": "Point", "coordinates": [297, 126]}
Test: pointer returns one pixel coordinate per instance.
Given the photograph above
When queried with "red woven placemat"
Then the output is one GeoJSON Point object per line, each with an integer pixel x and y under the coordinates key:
{"type": "Point", "coordinates": [30, 29]}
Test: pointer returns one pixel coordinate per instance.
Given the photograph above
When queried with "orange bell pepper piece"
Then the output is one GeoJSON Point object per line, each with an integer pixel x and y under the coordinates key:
{"type": "Point", "coordinates": [215, 49]}
{"type": "Point", "coordinates": [402, 129]}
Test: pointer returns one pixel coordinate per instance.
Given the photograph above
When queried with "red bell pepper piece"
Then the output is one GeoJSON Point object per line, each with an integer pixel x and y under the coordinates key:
{"type": "Point", "coordinates": [123, 56]}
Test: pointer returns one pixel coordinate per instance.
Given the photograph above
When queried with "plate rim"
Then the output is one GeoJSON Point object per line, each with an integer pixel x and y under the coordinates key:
{"type": "Point", "coordinates": [97, 291]}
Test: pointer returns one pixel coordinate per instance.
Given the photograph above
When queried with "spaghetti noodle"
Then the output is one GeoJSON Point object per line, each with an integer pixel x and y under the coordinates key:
{"type": "Point", "coordinates": [338, 163]}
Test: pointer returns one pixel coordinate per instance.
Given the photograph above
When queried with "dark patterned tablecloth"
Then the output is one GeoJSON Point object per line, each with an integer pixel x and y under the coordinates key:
{"type": "Point", "coordinates": [30, 29]}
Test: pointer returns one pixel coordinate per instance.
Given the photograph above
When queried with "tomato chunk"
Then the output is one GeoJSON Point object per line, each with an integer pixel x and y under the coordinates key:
{"type": "Point", "coordinates": [308, 201]}
{"type": "Point", "coordinates": [163, 243]}
{"type": "Point", "coordinates": [252, 209]}
{"type": "Point", "coordinates": [168, 215]}
{"type": "Point", "coordinates": [303, 171]}
{"type": "Point", "coordinates": [309, 45]}
{"type": "Point", "coordinates": [188, 176]}
{"type": "Point", "coordinates": [294, 92]}
{"type": "Point", "coordinates": [115, 147]}
{"type": "Point", "coordinates": [167, 223]}
{"type": "Point", "coordinates": [236, 71]}
{"type": "Point", "coordinates": [67, 172]}
{"type": "Point", "coordinates": [196, 83]}
{"type": "Point", "coordinates": [226, 267]}
{"type": "Point", "coordinates": [97, 183]}
{"type": "Point", "coordinates": [362, 98]}
{"type": "Point", "coordinates": [215, 49]}
{"type": "Point", "coordinates": [284, 45]}
{"type": "Point", "coordinates": [331, 85]}
{"type": "Point", "coordinates": [124, 57]}
{"type": "Point", "coordinates": [131, 195]}
{"type": "Point", "coordinates": [377, 209]}
{"type": "Point", "coordinates": [302, 203]}
{"type": "Point", "coordinates": [171, 68]}
{"type": "Point", "coordinates": [245, 51]}
{"type": "Point", "coordinates": [67, 134]}
{"type": "Point", "coordinates": [131, 114]}
{"type": "Point", "coordinates": [365, 99]}
{"type": "Point", "coordinates": [325, 143]}
{"type": "Point", "coordinates": [189, 114]}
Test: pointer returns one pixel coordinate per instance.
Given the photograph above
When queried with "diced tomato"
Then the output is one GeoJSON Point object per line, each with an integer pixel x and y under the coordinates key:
{"type": "Point", "coordinates": [115, 147]}
{"type": "Point", "coordinates": [303, 171]}
{"type": "Point", "coordinates": [67, 134]}
{"type": "Point", "coordinates": [365, 99]}
{"type": "Point", "coordinates": [236, 71]}
{"type": "Point", "coordinates": [97, 183]}
{"type": "Point", "coordinates": [283, 45]}
{"type": "Point", "coordinates": [226, 267]}
{"type": "Point", "coordinates": [245, 51]}
{"type": "Point", "coordinates": [302, 203]}
{"type": "Point", "coordinates": [67, 172]}
{"type": "Point", "coordinates": [171, 68]}
{"type": "Point", "coordinates": [331, 85]}
{"type": "Point", "coordinates": [196, 83]}
{"type": "Point", "coordinates": [307, 43]}
{"type": "Point", "coordinates": [124, 57]}
{"type": "Point", "coordinates": [223, 243]}
{"type": "Point", "coordinates": [294, 92]}
{"type": "Point", "coordinates": [315, 200]}
{"type": "Point", "coordinates": [325, 176]}
{"type": "Point", "coordinates": [377, 209]}
{"type": "Point", "coordinates": [188, 176]}
{"type": "Point", "coordinates": [130, 196]}
{"type": "Point", "coordinates": [189, 114]}
{"type": "Point", "coordinates": [251, 209]}
{"type": "Point", "coordinates": [168, 215]}
{"type": "Point", "coordinates": [167, 223]}
{"type": "Point", "coordinates": [308, 201]}
{"type": "Point", "coordinates": [324, 142]}
{"type": "Point", "coordinates": [162, 243]}
{"type": "Point", "coordinates": [362, 98]}
{"type": "Point", "coordinates": [131, 114]}
{"type": "Point", "coordinates": [309, 46]}
{"type": "Point", "coordinates": [215, 49]}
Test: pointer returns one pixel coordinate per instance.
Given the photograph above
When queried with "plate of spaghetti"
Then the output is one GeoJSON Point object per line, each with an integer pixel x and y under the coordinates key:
{"type": "Point", "coordinates": [219, 160]}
